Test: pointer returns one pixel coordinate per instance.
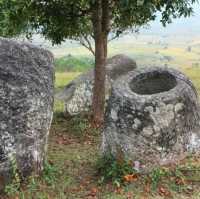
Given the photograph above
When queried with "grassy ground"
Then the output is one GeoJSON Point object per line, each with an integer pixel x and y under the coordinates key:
{"type": "Point", "coordinates": [71, 172]}
{"type": "Point", "coordinates": [79, 150]}
{"type": "Point", "coordinates": [63, 78]}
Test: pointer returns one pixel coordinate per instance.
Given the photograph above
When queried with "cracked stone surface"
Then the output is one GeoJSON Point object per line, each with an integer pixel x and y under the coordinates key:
{"type": "Point", "coordinates": [77, 95]}
{"type": "Point", "coordinates": [152, 117]}
{"type": "Point", "coordinates": [26, 106]}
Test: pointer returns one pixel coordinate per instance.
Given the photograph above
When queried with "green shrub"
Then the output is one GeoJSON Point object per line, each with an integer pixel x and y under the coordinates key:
{"type": "Point", "coordinates": [48, 177]}
{"type": "Point", "coordinates": [14, 186]}
{"type": "Point", "coordinates": [156, 176]}
{"type": "Point", "coordinates": [49, 174]}
{"type": "Point", "coordinates": [113, 170]}
{"type": "Point", "coordinates": [73, 64]}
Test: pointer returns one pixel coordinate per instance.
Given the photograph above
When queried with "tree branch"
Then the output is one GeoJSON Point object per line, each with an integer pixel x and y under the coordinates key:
{"type": "Point", "coordinates": [86, 42]}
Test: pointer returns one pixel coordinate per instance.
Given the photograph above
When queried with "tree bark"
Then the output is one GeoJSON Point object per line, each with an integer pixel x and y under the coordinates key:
{"type": "Point", "coordinates": [105, 24]}
{"type": "Point", "coordinates": [99, 81]}
{"type": "Point", "coordinates": [105, 43]}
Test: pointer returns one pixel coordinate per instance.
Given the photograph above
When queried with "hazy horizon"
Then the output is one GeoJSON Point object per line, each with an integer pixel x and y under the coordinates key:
{"type": "Point", "coordinates": [190, 25]}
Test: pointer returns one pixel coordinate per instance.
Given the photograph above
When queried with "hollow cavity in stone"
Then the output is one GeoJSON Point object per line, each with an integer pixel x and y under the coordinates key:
{"type": "Point", "coordinates": [153, 82]}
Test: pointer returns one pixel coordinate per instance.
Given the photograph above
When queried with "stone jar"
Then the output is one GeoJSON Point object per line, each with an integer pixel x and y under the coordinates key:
{"type": "Point", "coordinates": [26, 107]}
{"type": "Point", "coordinates": [152, 117]}
{"type": "Point", "coordinates": [77, 95]}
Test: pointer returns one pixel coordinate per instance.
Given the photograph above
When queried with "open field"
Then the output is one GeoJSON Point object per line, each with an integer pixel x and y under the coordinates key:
{"type": "Point", "coordinates": [72, 174]}
{"type": "Point", "coordinates": [147, 50]}
{"type": "Point", "coordinates": [63, 78]}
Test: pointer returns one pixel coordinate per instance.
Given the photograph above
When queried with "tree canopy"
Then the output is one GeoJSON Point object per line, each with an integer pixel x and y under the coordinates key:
{"type": "Point", "coordinates": [58, 20]}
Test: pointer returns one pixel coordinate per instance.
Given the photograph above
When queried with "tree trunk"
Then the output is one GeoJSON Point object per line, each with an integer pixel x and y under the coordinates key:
{"type": "Point", "coordinates": [99, 81]}
{"type": "Point", "coordinates": [105, 24]}
{"type": "Point", "coordinates": [105, 43]}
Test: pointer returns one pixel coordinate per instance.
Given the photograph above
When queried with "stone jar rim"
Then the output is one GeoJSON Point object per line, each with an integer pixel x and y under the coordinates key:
{"type": "Point", "coordinates": [122, 84]}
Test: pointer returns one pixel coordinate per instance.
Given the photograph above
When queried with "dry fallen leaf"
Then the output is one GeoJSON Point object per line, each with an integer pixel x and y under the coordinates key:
{"type": "Point", "coordinates": [164, 191]}
{"type": "Point", "coordinates": [119, 191]}
{"type": "Point", "coordinates": [180, 181]}
{"type": "Point", "coordinates": [147, 188]}
{"type": "Point", "coordinates": [129, 195]}
{"type": "Point", "coordinates": [130, 178]}
{"type": "Point", "coordinates": [93, 192]}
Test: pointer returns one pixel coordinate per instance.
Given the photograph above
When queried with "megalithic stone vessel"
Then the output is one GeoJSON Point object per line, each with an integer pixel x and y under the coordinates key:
{"type": "Point", "coordinates": [152, 117]}
{"type": "Point", "coordinates": [26, 107]}
{"type": "Point", "coordinates": [77, 95]}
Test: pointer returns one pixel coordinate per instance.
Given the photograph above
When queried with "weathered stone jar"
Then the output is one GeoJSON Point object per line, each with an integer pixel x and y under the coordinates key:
{"type": "Point", "coordinates": [77, 95]}
{"type": "Point", "coordinates": [152, 117]}
{"type": "Point", "coordinates": [26, 107]}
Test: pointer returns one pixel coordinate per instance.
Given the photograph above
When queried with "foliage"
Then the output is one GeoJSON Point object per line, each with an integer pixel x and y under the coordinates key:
{"type": "Point", "coordinates": [6, 8]}
{"type": "Point", "coordinates": [156, 175]}
{"type": "Point", "coordinates": [49, 174]}
{"type": "Point", "coordinates": [15, 188]}
{"type": "Point", "coordinates": [73, 64]}
{"type": "Point", "coordinates": [110, 169]}
{"type": "Point", "coordinates": [174, 178]}
{"type": "Point", "coordinates": [66, 19]}
{"type": "Point", "coordinates": [79, 124]}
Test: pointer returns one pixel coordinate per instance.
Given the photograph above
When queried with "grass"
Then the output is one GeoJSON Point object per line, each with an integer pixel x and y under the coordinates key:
{"type": "Point", "coordinates": [194, 74]}
{"type": "Point", "coordinates": [72, 156]}
{"type": "Point", "coordinates": [63, 78]}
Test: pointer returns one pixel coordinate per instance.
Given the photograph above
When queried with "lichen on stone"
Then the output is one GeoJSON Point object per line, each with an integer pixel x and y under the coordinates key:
{"type": "Point", "coordinates": [26, 106]}
{"type": "Point", "coordinates": [154, 122]}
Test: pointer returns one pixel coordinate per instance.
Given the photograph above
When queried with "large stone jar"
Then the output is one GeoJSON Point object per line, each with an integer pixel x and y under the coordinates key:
{"type": "Point", "coordinates": [26, 107]}
{"type": "Point", "coordinates": [77, 95]}
{"type": "Point", "coordinates": [152, 117]}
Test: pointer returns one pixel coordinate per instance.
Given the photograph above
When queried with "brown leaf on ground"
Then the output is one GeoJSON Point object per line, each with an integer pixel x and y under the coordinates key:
{"type": "Point", "coordinates": [93, 192]}
{"type": "Point", "coordinates": [129, 195]}
{"type": "Point", "coordinates": [119, 191]}
{"type": "Point", "coordinates": [163, 191]}
{"type": "Point", "coordinates": [88, 143]}
{"type": "Point", "coordinates": [147, 188]}
{"type": "Point", "coordinates": [92, 197]}
{"type": "Point", "coordinates": [130, 178]}
{"type": "Point", "coordinates": [144, 196]}
{"type": "Point", "coordinates": [50, 162]}
{"type": "Point", "coordinates": [180, 181]}
{"type": "Point", "coordinates": [61, 140]}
